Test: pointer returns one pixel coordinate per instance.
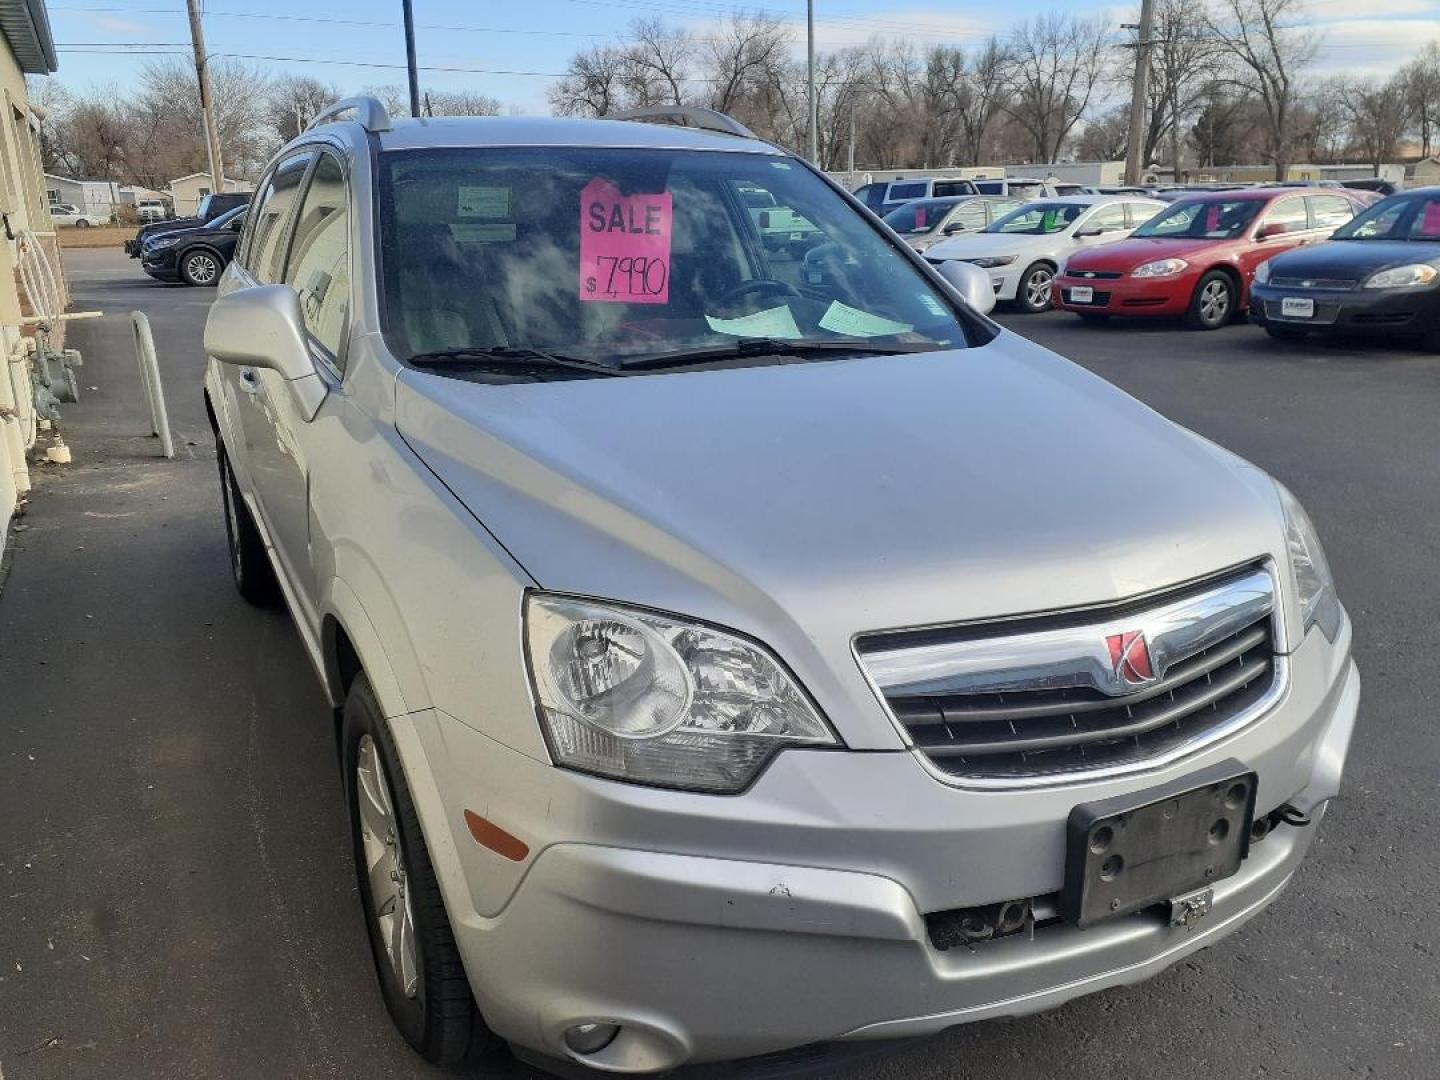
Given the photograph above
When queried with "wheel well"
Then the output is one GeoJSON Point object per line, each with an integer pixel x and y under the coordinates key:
{"type": "Point", "coordinates": [343, 659]}
{"type": "Point", "coordinates": [1232, 274]}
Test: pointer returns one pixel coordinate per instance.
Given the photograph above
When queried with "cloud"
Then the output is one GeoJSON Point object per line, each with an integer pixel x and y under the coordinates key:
{"type": "Point", "coordinates": [1373, 46]}
{"type": "Point", "coordinates": [111, 25]}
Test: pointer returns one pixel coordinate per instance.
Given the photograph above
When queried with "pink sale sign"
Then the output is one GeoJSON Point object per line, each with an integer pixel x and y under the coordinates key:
{"type": "Point", "coordinates": [624, 245]}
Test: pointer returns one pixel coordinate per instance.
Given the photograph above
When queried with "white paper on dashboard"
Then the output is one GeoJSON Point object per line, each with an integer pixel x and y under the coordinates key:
{"type": "Point", "coordinates": [852, 322]}
{"type": "Point", "coordinates": [775, 322]}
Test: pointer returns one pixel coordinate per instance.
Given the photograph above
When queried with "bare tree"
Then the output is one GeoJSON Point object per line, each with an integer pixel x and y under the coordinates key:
{"type": "Point", "coordinates": [1379, 116]}
{"type": "Point", "coordinates": [1422, 92]}
{"type": "Point", "coordinates": [1058, 63]}
{"type": "Point", "coordinates": [169, 99]}
{"type": "Point", "coordinates": [294, 101]}
{"type": "Point", "coordinates": [461, 103]}
{"type": "Point", "coordinates": [657, 63]}
{"type": "Point", "coordinates": [1183, 62]}
{"type": "Point", "coordinates": [592, 85]}
{"type": "Point", "coordinates": [1106, 137]}
{"type": "Point", "coordinates": [1322, 123]}
{"type": "Point", "coordinates": [1221, 129]}
{"type": "Point", "coordinates": [1269, 48]}
{"type": "Point", "coordinates": [742, 57]}
{"type": "Point", "coordinates": [981, 100]}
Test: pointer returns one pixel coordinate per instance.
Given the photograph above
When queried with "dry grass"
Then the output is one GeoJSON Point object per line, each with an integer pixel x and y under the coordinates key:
{"type": "Point", "coordinates": [97, 236]}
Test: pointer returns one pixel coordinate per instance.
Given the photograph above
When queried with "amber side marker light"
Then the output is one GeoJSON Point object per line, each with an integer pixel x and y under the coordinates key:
{"type": "Point", "coordinates": [488, 834]}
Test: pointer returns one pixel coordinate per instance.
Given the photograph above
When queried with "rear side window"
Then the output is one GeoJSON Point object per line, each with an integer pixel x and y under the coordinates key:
{"type": "Point", "coordinates": [265, 250]}
{"type": "Point", "coordinates": [1108, 219]}
{"type": "Point", "coordinates": [909, 191]}
{"type": "Point", "coordinates": [954, 187]}
{"type": "Point", "coordinates": [319, 265]}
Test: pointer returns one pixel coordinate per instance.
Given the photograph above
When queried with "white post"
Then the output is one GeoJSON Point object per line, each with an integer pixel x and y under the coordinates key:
{"type": "Point", "coordinates": [150, 376]}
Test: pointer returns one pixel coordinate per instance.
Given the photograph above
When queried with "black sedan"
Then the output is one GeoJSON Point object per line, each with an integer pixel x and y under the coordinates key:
{"type": "Point", "coordinates": [1380, 273]}
{"type": "Point", "coordinates": [194, 256]}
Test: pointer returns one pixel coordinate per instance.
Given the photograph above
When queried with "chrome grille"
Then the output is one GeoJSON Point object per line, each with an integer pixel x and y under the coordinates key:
{"type": "Point", "coordinates": [1329, 284]}
{"type": "Point", "coordinates": [1039, 699]}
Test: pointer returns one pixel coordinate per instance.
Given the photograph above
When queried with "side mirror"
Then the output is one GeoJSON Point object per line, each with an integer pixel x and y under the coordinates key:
{"type": "Point", "coordinates": [1085, 234]}
{"type": "Point", "coordinates": [1267, 231]}
{"type": "Point", "coordinates": [954, 227]}
{"type": "Point", "coordinates": [237, 224]}
{"type": "Point", "coordinates": [972, 283]}
{"type": "Point", "coordinates": [261, 327]}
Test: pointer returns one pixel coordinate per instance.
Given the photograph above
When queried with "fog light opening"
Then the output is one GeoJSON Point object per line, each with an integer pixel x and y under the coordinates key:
{"type": "Point", "coordinates": [588, 1039]}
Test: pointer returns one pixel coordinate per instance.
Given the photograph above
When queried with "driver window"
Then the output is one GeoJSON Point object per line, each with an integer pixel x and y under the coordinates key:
{"type": "Point", "coordinates": [1290, 213]}
{"type": "Point", "coordinates": [319, 268]}
{"type": "Point", "coordinates": [1107, 219]}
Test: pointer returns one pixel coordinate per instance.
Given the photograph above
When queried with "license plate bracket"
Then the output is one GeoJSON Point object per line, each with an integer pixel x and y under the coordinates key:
{"type": "Point", "coordinates": [1297, 307]}
{"type": "Point", "coordinates": [1148, 847]}
{"type": "Point", "coordinates": [1082, 294]}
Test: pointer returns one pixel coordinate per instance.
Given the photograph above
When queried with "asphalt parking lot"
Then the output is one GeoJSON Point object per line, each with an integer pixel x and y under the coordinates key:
{"type": "Point", "coordinates": [175, 879]}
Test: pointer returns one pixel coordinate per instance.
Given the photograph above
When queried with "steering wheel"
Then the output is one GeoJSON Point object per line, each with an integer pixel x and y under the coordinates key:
{"type": "Point", "coordinates": [758, 285]}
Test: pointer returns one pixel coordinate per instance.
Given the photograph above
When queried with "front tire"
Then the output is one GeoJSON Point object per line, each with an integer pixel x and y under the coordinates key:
{"type": "Point", "coordinates": [422, 978]}
{"type": "Point", "coordinates": [1213, 303]}
{"type": "Point", "coordinates": [249, 564]}
{"type": "Point", "coordinates": [1033, 295]}
{"type": "Point", "coordinates": [200, 268]}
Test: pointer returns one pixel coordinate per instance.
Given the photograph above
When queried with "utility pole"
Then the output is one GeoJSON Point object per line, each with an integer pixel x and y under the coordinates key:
{"type": "Point", "coordinates": [207, 99]}
{"type": "Point", "coordinates": [810, 65]}
{"type": "Point", "coordinates": [407, 7]}
{"type": "Point", "coordinates": [1136, 143]}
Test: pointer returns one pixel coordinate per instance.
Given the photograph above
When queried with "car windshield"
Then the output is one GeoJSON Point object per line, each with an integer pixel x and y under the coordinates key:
{"type": "Point", "coordinates": [1203, 219]}
{"type": "Point", "coordinates": [1400, 217]}
{"type": "Point", "coordinates": [920, 216]}
{"type": "Point", "coordinates": [1038, 219]}
{"type": "Point", "coordinates": [605, 255]}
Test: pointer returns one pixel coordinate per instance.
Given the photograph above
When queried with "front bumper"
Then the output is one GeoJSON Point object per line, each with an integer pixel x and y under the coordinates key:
{"type": "Point", "coordinates": [1391, 311]}
{"type": "Point", "coordinates": [1126, 296]}
{"type": "Point", "coordinates": [723, 927]}
{"type": "Point", "coordinates": [161, 265]}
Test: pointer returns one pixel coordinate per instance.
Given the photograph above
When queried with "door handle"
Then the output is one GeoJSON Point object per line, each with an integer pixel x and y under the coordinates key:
{"type": "Point", "coordinates": [249, 381]}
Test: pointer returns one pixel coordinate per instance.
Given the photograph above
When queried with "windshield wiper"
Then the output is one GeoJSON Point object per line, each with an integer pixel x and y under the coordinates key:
{"type": "Point", "coordinates": [765, 346]}
{"type": "Point", "coordinates": [506, 357]}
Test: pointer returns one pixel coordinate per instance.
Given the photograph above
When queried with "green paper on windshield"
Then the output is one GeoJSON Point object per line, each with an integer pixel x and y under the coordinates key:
{"type": "Point", "coordinates": [772, 323]}
{"type": "Point", "coordinates": [852, 322]}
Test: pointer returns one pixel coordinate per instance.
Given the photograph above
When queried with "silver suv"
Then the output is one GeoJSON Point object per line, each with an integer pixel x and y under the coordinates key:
{"type": "Point", "coordinates": [735, 648]}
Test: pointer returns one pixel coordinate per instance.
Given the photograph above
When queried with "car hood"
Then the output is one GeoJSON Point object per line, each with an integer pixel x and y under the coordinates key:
{"type": "Point", "coordinates": [977, 244]}
{"type": "Point", "coordinates": [804, 504]}
{"type": "Point", "coordinates": [1125, 255]}
{"type": "Point", "coordinates": [1352, 259]}
{"type": "Point", "coordinates": [173, 225]}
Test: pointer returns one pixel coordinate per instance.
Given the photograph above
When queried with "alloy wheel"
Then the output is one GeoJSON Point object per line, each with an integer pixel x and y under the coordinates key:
{"type": "Point", "coordinates": [201, 268]}
{"type": "Point", "coordinates": [390, 902]}
{"type": "Point", "coordinates": [1037, 288]}
{"type": "Point", "coordinates": [1214, 302]}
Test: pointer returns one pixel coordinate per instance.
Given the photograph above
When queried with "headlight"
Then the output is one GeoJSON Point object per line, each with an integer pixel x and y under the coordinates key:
{"type": "Point", "coordinates": [1398, 277]}
{"type": "Point", "coordinates": [1262, 273]}
{"type": "Point", "coordinates": [652, 699]}
{"type": "Point", "coordinates": [1159, 268]}
{"type": "Point", "coordinates": [991, 260]}
{"type": "Point", "coordinates": [1314, 586]}
{"type": "Point", "coordinates": [160, 242]}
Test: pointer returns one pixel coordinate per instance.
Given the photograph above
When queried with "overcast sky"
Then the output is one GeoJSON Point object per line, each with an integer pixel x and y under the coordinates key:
{"type": "Point", "coordinates": [512, 49]}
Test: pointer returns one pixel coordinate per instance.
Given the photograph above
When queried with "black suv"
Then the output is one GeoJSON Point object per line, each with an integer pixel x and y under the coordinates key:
{"type": "Point", "coordinates": [195, 256]}
{"type": "Point", "coordinates": [211, 207]}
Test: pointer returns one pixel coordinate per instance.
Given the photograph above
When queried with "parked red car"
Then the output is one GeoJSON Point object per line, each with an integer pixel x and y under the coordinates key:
{"type": "Point", "coordinates": [1196, 258]}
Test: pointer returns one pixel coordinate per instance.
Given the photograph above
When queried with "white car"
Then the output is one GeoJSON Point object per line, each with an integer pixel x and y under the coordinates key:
{"type": "Point", "coordinates": [70, 214]}
{"type": "Point", "coordinates": [1025, 248]}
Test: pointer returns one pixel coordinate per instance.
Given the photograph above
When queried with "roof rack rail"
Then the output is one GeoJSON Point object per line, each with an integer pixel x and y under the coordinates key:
{"type": "Point", "coordinates": [367, 110]}
{"type": "Point", "coordinates": [687, 116]}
